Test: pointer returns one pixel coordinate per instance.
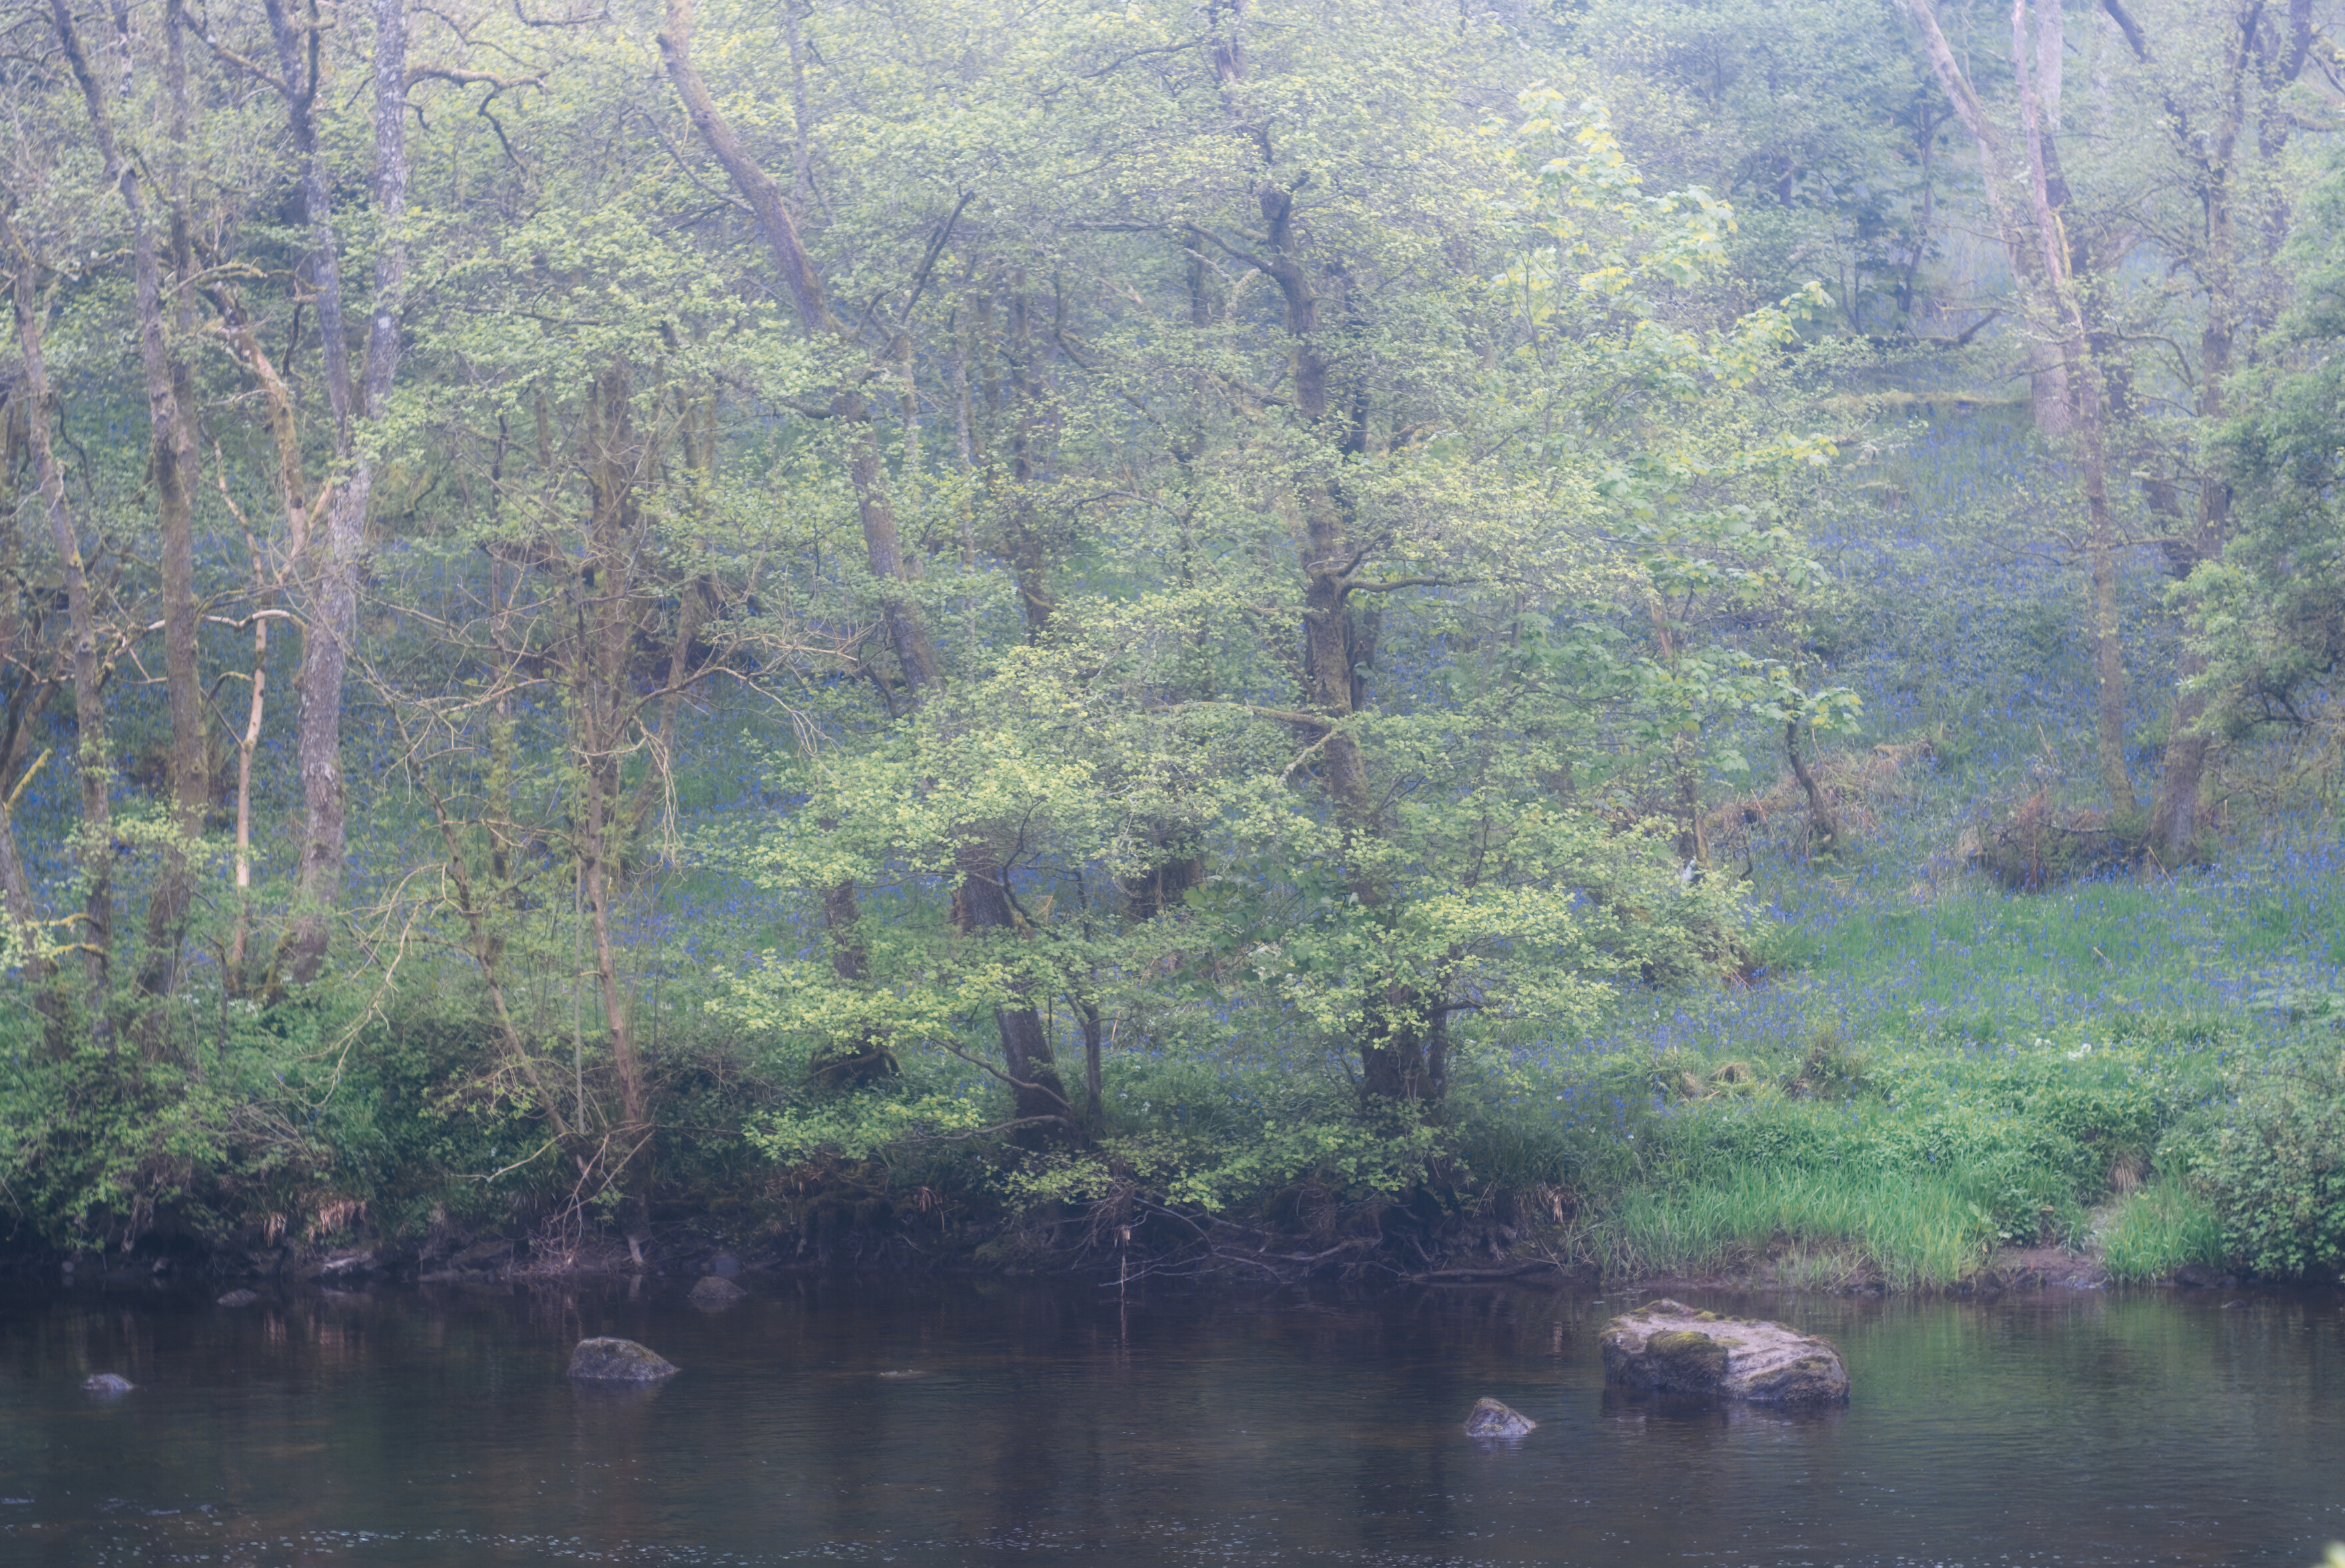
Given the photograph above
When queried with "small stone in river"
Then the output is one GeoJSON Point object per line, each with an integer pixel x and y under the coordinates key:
{"type": "Point", "coordinates": [239, 1299]}
{"type": "Point", "coordinates": [105, 1383]}
{"type": "Point", "coordinates": [716, 1292]}
{"type": "Point", "coordinates": [1491, 1419]}
{"type": "Point", "coordinates": [617, 1361]}
{"type": "Point", "coordinates": [1665, 1344]}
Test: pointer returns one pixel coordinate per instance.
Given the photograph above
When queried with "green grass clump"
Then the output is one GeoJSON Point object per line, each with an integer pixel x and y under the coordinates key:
{"type": "Point", "coordinates": [1808, 1228]}
{"type": "Point", "coordinates": [2159, 1229]}
{"type": "Point", "coordinates": [1826, 1161]}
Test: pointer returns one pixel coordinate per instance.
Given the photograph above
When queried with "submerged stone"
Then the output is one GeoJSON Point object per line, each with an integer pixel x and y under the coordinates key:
{"type": "Point", "coordinates": [716, 1291]}
{"type": "Point", "coordinates": [1666, 1344]}
{"type": "Point", "coordinates": [239, 1299]}
{"type": "Point", "coordinates": [617, 1361]}
{"type": "Point", "coordinates": [1491, 1419]}
{"type": "Point", "coordinates": [105, 1383]}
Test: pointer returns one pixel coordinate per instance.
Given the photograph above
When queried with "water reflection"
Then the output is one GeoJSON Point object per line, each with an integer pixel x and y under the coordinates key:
{"type": "Point", "coordinates": [437, 1427]}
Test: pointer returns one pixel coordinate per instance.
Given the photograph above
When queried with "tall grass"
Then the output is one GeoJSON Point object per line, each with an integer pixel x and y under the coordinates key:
{"type": "Point", "coordinates": [2159, 1229]}
{"type": "Point", "coordinates": [1910, 1233]}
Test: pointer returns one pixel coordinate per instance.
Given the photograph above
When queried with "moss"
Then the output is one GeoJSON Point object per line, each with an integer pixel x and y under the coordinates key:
{"type": "Point", "coordinates": [1493, 1419]}
{"type": "Point", "coordinates": [1811, 1380]}
{"type": "Point", "coordinates": [612, 1360]}
{"type": "Point", "coordinates": [1682, 1359]}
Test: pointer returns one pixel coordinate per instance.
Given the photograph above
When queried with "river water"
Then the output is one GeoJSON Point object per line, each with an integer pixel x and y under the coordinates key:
{"type": "Point", "coordinates": [939, 1423]}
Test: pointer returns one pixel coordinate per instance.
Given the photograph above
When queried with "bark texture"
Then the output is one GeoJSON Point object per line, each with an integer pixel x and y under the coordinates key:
{"type": "Point", "coordinates": [332, 620]}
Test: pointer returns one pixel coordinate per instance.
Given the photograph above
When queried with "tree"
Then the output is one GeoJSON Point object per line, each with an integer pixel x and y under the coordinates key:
{"type": "Point", "coordinates": [2210, 191]}
{"type": "Point", "coordinates": [2218, 82]}
{"type": "Point", "coordinates": [330, 627]}
{"type": "Point", "coordinates": [2269, 613]}
{"type": "Point", "coordinates": [1813, 120]}
{"type": "Point", "coordinates": [1329, 409]}
{"type": "Point", "coordinates": [2052, 263]}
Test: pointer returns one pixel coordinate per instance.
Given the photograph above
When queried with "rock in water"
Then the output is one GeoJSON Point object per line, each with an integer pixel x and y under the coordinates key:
{"type": "Point", "coordinates": [105, 1383]}
{"type": "Point", "coordinates": [1666, 1344]}
{"type": "Point", "coordinates": [715, 1290]}
{"type": "Point", "coordinates": [617, 1361]}
{"type": "Point", "coordinates": [1491, 1419]}
{"type": "Point", "coordinates": [239, 1299]}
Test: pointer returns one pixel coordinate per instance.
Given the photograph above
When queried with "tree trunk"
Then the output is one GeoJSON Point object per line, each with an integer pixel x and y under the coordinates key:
{"type": "Point", "coordinates": [1094, 1110]}
{"type": "Point", "coordinates": [24, 914]}
{"type": "Point", "coordinates": [596, 867]}
{"type": "Point", "coordinates": [2060, 254]}
{"type": "Point", "coordinates": [2174, 815]}
{"type": "Point", "coordinates": [171, 457]}
{"type": "Point", "coordinates": [2101, 546]}
{"type": "Point", "coordinates": [1823, 826]}
{"type": "Point", "coordinates": [332, 621]}
{"type": "Point", "coordinates": [907, 631]}
{"type": "Point", "coordinates": [2266, 54]}
{"type": "Point", "coordinates": [92, 758]}
{"type": "Point", "coordinates": [239, 946]}
{"type": "Point", "coordinates": [293, 496]}
{"type": "Point", "coordinates": [1403, 1038]}
{"type": "Point", "coordinates": [2047, 253]}
{"type": "Point", "coordinates": [1030, 430]}
{"type": "Point", "coordinates": [19, 627]}
{"type": "Point", "coordinates": [616, 459]}
{"type": "Point", "coordinates": [1405, 1053]}
{"type": "Point", "coordinates": [985, 910]}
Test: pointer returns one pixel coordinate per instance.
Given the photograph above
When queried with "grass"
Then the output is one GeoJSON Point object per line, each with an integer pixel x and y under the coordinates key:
{"type": "Point", "coordinates": [1803, 1229]}
{"type": "Point", "coordinates": [2159, 1229]}
{"type": "Point", "coordinates": [1931, 1066]}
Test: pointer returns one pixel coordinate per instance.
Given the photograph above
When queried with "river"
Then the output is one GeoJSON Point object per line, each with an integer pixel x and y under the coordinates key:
{"type": "Point", "coordinates": [985, 1422]}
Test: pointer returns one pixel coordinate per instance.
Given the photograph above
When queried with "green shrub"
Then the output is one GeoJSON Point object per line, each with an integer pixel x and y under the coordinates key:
{"type": "Point", "coordinates": [2273, 1167]}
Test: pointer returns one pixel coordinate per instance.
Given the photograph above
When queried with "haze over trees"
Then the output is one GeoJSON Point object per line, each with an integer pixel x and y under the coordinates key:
{"type": "Point", "coordinates": [617, 600]}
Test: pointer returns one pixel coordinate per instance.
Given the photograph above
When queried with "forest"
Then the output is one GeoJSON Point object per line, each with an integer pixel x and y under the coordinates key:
{"type": "Point", "coordinates": [1230, 637]}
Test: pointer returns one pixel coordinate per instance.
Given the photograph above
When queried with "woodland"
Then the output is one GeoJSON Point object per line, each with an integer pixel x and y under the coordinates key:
{"type": "Point", "coordinates": [1212, 636]}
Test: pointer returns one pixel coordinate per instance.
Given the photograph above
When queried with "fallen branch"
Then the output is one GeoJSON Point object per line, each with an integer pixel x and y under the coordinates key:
{"type": "Point", "coordinates": [1441, 1276]}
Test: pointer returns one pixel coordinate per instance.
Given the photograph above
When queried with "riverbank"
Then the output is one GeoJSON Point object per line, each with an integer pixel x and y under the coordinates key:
{"type": "Point", "coordinates": [1929, 1156]}
{"type": "Point", "coordinates": [1921, 1154]}
{"type": "Point", "coordinates": [1915, 1083]}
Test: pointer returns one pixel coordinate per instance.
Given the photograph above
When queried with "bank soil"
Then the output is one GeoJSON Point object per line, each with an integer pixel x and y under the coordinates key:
{"type": "Point", "coordinates": [1225, 1251]}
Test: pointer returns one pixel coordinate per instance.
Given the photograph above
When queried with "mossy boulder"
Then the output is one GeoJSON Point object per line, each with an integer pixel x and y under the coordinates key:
{"type": "Point", "coordinates": [1666, 1344]}
{"type": "Point", "coordinates": [715, 1294]}
{"type": "Point", "coordinates": [1491, 1419]}
{"type": "Point", "coordinates": [617, 1361]}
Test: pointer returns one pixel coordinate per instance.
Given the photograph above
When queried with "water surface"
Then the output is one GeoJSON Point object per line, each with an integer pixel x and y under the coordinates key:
{"type": "Point", "coordinates": [984, 1423]}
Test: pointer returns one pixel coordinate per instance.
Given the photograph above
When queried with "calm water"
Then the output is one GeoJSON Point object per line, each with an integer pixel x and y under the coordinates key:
{"type": "Point", "coordinates": [1043, 1424]}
